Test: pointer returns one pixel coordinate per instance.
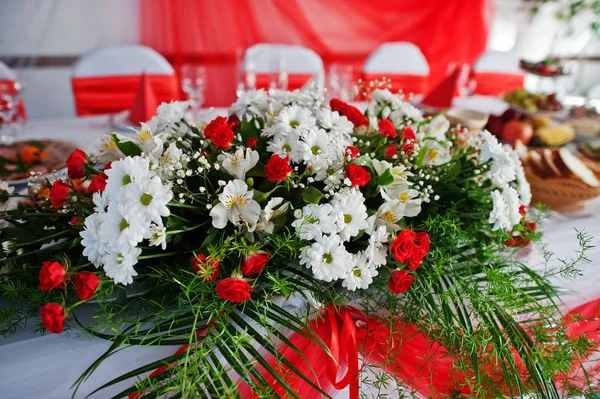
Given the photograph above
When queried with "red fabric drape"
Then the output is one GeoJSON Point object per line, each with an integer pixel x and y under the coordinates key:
{"type": "Point", "coordinates": [340, 31]}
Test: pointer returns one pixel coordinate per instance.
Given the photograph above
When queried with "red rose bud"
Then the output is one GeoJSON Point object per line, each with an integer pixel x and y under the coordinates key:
{"type": "Point", "coordinates": [59, 194]}
{"type": "Point", "coordinates": [410, 247]}
{"type": "Point", "coordinates": [523, 210]}
{"type": "Point", "coordinates": [390, 151]}
{"type": "Point", "coordinates": [52, 275]}
{"type": "Point", "coordinates": [234, 121]}
{"type": "Point", "coordinates": [251, 142]}
{"type": "Point", "coordinates": [75, 220]}
{"type": "Point", "coordinates": [400, 281]}
{"type": "Point", "coordinates": [76, 163]}
{"type": "Point", "coordinates": [108, 166]}
{"type": "Point", "coordinates": [219, 132]}
{"type": "Point", "coordinates": [386, 128]}
{"type": "Point", "coordinates": [358, 175]}
{"type": "Point", "coordinates": [86, 284]}
{"type": "Point", "coordinates": [98, 183]}
{"type": "Point", "coordinates": [234, 290]}
{"type": "Point", "coordinates": [352, 152]}
{"type": "Point", "coordinates": [53, 317]}
{"type": "Point", "coordinates": [278, 169]}
{"type": "Point", "coordinates": [352, 113]}
{"type": "Point", "coordinates": [208, 268]}
{"type": "Point", "coordinates": [254, 263]}
{"type": "Point", "coordinates": [408, 140]}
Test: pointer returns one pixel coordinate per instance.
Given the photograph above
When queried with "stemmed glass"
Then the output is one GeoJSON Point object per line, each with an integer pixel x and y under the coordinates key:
{"type": "Point", "coordinates": [246, 74]}
{"type": "Point", "coordinates": [193, 83]}
{"type": "Point", "coordinates": [339, 82]}
{"type": "Point", "coordinates": [279, 75]}
{"type": "Point", "coordinates": [10, 118]}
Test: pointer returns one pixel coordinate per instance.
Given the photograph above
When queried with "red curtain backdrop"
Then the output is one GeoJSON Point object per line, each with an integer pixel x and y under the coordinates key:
{"type": "Point", "coordinates": [217, 32]}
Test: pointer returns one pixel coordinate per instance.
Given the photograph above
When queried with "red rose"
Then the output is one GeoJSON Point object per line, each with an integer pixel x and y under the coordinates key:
{"type": "Point", "coordinates": [75, 220]}
{"type": "Point", "coordinates": [208, 268]}
{"type": "Point", "coordinates": [278, 168]}
{"type": "Point", "coordinates": [219, 132]}
{"type": "Point", "coordinates": [408, 139]}
{"type": "Point", "coordinates": [59, 194]}
{"type": "Point", "coordinates": [53, 317]}
{"type": "Point", "coordinates": [400, 281]}
{"type": "Point", "coordinates": [386, 128]}
{"type": "Point", "coordinates": [234, 290]}
{"type": "Point", "coordinates": [75, 164]}
{"type": "Point", "coordinates": [52, 275]}
{"type": "Point", "coordinates": [390, 151]}
{"type": "Point", "coordinates": [357, 174]}
{"type": "Point", "coordinates": [352, 113]}
{"type": "Point", "coordinates": [251, 142]}
{"type": "Point", "coordinates": [254, 263]}
{"type": "Point", "coordinates": [86, 284]}
{"type": "Point", "coordinates": [233, 121]}
{"type": "Point", "coordinates": [410, 247]}
{"type": "Point", "coordinates": [352, 152]}
{"type": "Point", "coordinates": [98, 183]}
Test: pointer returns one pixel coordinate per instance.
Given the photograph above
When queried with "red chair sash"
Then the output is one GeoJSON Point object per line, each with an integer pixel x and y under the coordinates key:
{"type": "Point", "coordinates": [109, 94]}
{"type": "Point", "coordinates": [414, 84]}
{"type": "Point", "coordinates": [8, 86]}
{"type": "Point", "coordinates": [295, 81]}
{"type": "Point", "coordinates": [495, 84]}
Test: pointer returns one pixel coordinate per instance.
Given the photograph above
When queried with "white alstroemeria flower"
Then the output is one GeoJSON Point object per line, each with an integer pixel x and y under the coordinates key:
{"type": "Point", "coordinates": [126, 171]}
{"type": "Point", "coordinates": [503, 167]}
{"type": "Point", "coordinates": [240, 162]}
{"type": "Point", "coordinates": [173, 111]}
{"type": "Point", "coordinates": [295, 119]}
{"type": "Point", "coordinates": [157, 235]}
{"type": "Point", "coordinates": [360, 275]}
{"type": "Point", "coordinates": [351, 204]}
{"type": "Point", "coordinates": [150, 198]}
{"type": "Point", "coordinates": [327, 257]}
{"type": "Point", "coordinates": [237, 206]}
{"type": "Point", "coordinates": [273, 209]}
{"type": "Point", "coordinates": [119, 265]}
{"type": "Point", "coordinates": [144, 138]}
{"type": "Point", "coordinates": [123, 227]}
{"type": "Point", "coordinates": [436, 128]}
{"type": "Point", "coordinates": [109, 152]}
{"type": "Point", "coordinates": [377, 250]}
{"type": "Point", "coordinates": [437, 153]}
{"type": "Point", "coordinates": [500, 214]}
{"type": "Point", "coordinates": [317, 219]}
{"type": "Point", "coordinates": [94, 249]}
{"type": "Point", "coordinates": [403, 193]}
{"type": "Point", "coordinates": [399, 172]}
{"type": "Point", "coordinates": [388, 215]}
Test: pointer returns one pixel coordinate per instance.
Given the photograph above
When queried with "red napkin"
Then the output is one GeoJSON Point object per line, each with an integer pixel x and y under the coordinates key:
{"type": "Point", "coordinates": [144, 103]}
{"type": "Point", "coordinates": [442, 95]}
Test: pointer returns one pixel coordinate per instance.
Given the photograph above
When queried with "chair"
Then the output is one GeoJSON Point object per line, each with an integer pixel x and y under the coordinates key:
{"type": "Point", "coordinates": [105, 80]}
{"type": "Point", "coordinates": [9, 86]}
{"type": "Point", "coordinates": [303, 65]}
{"type": "Point", "coordinates": [497, 72]}
{"type": "Point", "coordinates": [403, 63]}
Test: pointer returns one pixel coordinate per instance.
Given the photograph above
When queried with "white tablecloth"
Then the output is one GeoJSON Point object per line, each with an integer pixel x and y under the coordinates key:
{"type": "Point", "coordinates": [35, 366]}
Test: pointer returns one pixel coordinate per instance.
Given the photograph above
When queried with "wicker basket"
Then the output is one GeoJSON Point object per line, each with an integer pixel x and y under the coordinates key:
{"type": "Point", "coordinates": [560, 194]}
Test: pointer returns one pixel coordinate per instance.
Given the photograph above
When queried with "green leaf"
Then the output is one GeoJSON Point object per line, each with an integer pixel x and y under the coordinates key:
{"type": "Point", "coordinates": [259, 196]}
{"type": "Point", "coordinates": [386, 178]}
{"type": "Point", "coordinates": [312, 195]}
{"type": "Point", "coordinates": [127, 147]}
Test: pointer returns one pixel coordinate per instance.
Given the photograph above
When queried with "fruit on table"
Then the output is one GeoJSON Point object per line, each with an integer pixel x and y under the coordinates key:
{"type": "Point", "coordinates": [514, 130]}
{"type": "Point", "coordinates": [555, 135]}
{"type": "Point", "coordinates": [531, 102]}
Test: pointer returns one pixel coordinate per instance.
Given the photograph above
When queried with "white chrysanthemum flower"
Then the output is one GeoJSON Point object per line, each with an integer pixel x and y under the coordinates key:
{"type": "Point", "coordinates": [334, 122]}
{"type": "Point", "coordinates": [327, 258]}
{"type": "Point", "coordinates": [377, 250]}
{"type": "Point", "coordinates": [284, 145]}
{"type": "Point", "coordinates": [157, 235]}
{"type": "Point", "coordinates": [237, 206]}
{"type": "Point", "coordinates": [173, 111]}
{"type": "Point", "coordinates": [511, 197]}
{"type": "Point", "coordinates": [403, 193]}
{"type": "Point", "coordinates": [273, 209]}
{"type": "Point", "coordinates": [503, 167]}
{"type": "Point", "coordinates": [240, 162]}
{"type": "Point", "coordinates": [317, 219]}
{"type": "Point", "coordinates": [119, 265]}
{"type": "Point", "coordinates": [101, 202]}
{"type": "Point", "coordinates": [315, 148]}
{"type": "Point", "coordinates": [94, 249]}
{"type": "Point", "coordinates": [351, 204]}
{"type": "Point", "coordinates": [253, 102]}
{"type": "Point", "coordinates": [521, 183]}
{"type": "Point", "coordinates": [388, 215]}
{"type": "Point", "coordinates": [5, 191]}
{"type": "Point", "coordinates": [360, 275]}
{"type": "Point", "coordinates": [437, 153]}
{"type": "Point", "coordinates": [436, 129]}
{"type": "Point", "coordinates": [126, 171]}
{"type": "Point", "coordinates": [499, 216]}
{"type": "Point", "coordinates": [123, 227]}
{"type": "Point", "coordinates": [150, 198]}
{"type": "Point", "coordinates": [333, 175]}
{"type": "Point", "coordinates": [295, 119]}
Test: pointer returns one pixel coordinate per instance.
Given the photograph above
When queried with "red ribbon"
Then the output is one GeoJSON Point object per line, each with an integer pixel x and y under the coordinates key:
{"type": "Point", "coordinates": [294, 81]}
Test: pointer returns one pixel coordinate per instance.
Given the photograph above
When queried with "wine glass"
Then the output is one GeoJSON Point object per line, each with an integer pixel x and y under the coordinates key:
{"type": "Point", "coordinates": [340, 81]}
{"type": "Point", "coordinates": [193, 83]}
{"type": "Point", "coordinates": [10, 117]}
{"type": "Point", "coordinates": [279, 75]}
{"type": "Point", "coordinates": [246, 76]}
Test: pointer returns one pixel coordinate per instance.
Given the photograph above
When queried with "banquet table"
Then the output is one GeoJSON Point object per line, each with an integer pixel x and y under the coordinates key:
{"type": "Point", "coordinates": [33, 365]}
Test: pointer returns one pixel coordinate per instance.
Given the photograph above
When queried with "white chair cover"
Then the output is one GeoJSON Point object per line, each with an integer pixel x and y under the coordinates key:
{"type": "Point", "coordinates": [498, 62]}
{"type": "Point", "coordinates": [6, 72]}
{"type": "Point", "coordinates": [400, 58]}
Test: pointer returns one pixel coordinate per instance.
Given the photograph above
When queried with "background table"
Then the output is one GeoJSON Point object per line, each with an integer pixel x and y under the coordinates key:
{"type": "Point", "coordinates": [44, 366]}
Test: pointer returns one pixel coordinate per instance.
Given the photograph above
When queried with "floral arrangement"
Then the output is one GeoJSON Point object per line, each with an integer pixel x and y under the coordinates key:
{"type": "Point", "coordinates": [203, 236]}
